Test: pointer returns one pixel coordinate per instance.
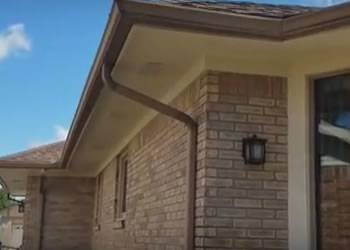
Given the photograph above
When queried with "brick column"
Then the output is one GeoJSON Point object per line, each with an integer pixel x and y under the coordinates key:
{"type": "Point", "coordinates": [240, 206]}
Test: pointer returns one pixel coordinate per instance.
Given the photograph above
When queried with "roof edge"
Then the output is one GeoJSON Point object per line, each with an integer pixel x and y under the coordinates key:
{"type": "Point", "coordinates": [129, 12]}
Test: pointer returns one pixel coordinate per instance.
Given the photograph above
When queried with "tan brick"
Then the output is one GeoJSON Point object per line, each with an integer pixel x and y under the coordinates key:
{"type": "Point", "coordinates": [275, 204]}
{"type": "Point", "coordinates": [231, 232]}
{"type": "Point", "coordinates": [248, 243]}
{"type": "Point", "coordinates": [282, 214]}
{"type": "Point", "coordinates": [233, 117]}
{"type": "Point", "coordinates": [231, 173]}
{"type": "Point", "coordinates": [276, 167]}
{"type": "Point", "coordinates": [229, 192]}
{"type": "Point", "coordinates": [233, 99]}
{"type": "Point", "coordinates": [282, 176]}
{"type": "Point", "coordinates": [231, 212]}
{"type": "Point", "coordinates": [218, 202]}
{"type": "Point", "coordinates": [282, 195]}
{"type": "Point", "coordinates": [260, 175]}
{"type": "Point", "coordinates": [261, 233]}
{"type": "Point", "coordinates": [213, 116]}
{"type": "Point", "coordinates": [261, 213]}
{"type": "Point", "coordinates": [218, 222]}
{"type": "Point", "coordinates": [247, 127]}
{"type": "Point", "coordinates": [218, 182]}
{"type": "Point", "coordinates": [276, 244]}
{"type": "Point", "coordinates": [282, 139]}
{"type": "Point", "coordinates": [275, 111]}
{"type": "Point", "coordinates": [217, 242]}
{"type": "Point", "coordinates": [246, 223]}
{"type": "Point", "coordinates": [219, 107]}
{"type": "Point", "coordinates": [205, 232]}
{"type": "Point", "coordinates": [219, 125]}
{"type": "Point", "coordinates": [282, 234]}
{"type": "Point", "coordinates": [261, 194]}
{"type": "Point", "coordinates": [247, 203]}
{"type": "Point", "coordinates": [276, 185]}
{"type": "Point", "coordinates": [213, 97]}
{"type": "Point", "coordinates": [261, 119]}
{"type": "Point", "coordinates": [282, 158]}
{"type": "Point", "coordinates": [281, 103]}
{"type": "Point", "coordinates": [212, 153]}
{"type": "Point", "coordinates": [219, 144]}
{"type": "Point", "coordinates": [276, 224]}
{"type": "Point", "coordinates": [248, 184]}
{"type": "Point", "coordinates": [261, 101]}
{"type": "Point", "coordinates": [275, 129]}
{"type": "Point", "coordinates": [277, 148]}
{"type": "Point", "coordinates": [249, 109]}
{"type": "Point", "coordinates": [218, 163]}
{"type": "Point", "coordinates": [282, 121]}
{"type": "Point", "coordinates": [228, 135]}
{"type": "Point", "coordinates": [230, 154]}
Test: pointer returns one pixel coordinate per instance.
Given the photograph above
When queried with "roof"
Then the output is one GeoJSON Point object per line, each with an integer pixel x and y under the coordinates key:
{"type": "Point", "coordinates": [243, 8]}
{"type": "Point", "coordinates": [49, 153]}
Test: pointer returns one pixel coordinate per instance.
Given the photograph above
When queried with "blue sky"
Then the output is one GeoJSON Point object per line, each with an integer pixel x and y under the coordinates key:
{"type": "Point", "coordinates": [46, 50]}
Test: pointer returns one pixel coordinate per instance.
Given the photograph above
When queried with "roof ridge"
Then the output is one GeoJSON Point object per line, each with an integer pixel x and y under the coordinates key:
{"type": "Point", "coordinates": [31, 150]}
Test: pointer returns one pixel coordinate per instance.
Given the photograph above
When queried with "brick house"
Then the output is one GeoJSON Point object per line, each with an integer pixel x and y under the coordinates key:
{"type": "Point", "coordinates": [153, 159]}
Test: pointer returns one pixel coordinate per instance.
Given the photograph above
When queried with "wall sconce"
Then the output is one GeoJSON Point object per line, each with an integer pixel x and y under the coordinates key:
{"type": "Point", "coordinates": [21, 208]}
{"type": "Point", "coordinates": [254, 150]}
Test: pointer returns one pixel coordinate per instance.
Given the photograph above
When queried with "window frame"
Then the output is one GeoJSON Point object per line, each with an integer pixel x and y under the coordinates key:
{"type": "Point", "coordinates": [98, 202]}
{"type": "Point", "coordinates": [121, 167]}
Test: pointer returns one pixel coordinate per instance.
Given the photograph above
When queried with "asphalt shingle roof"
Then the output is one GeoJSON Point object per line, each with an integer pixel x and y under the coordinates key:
{"type": "Point", "coordinates": [243, 8]}
{"type": "Point", "coordinates": [49, 153]}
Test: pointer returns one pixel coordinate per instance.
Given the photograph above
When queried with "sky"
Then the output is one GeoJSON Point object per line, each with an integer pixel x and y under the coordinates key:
{"type": "Point", "coordinates": [46, 50]}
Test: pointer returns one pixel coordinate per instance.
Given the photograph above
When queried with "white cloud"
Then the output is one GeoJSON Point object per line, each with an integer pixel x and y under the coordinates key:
{"type": "Point", "coordinates": [14, 40]}
{"type": "Point", "coordinates": [60, 134]}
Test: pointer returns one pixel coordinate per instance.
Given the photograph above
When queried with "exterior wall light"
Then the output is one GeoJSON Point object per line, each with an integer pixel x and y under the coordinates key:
{"type": "Point", "coordinates": [254, 150]}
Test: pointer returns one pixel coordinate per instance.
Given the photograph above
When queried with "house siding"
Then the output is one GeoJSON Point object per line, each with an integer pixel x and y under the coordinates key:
{"type": "Point", "coordinates": [68, 209]}
{"type": "Point", "coordinates": [243, 206]}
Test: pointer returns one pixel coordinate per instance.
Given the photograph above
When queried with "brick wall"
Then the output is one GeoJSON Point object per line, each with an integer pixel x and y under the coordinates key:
{"type": "Point", "coordinates": [240, 206]}
{"type": "Point", "coordinates": [237, 206]}
{"type": "Point", "coordinates": [156, 184]}
{"type": "Point", "coordinates": [68, 212]}
{"type": "Point", "coordinates": [335, 207]}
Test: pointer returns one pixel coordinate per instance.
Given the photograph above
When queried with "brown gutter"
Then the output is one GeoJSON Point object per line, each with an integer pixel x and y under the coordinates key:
{"type": "Point", "coordinates": [32, 165]}
{"type": "Point", "coordinates": [192, 144]}
{"type": "Point", "coordinates": [126, 13]}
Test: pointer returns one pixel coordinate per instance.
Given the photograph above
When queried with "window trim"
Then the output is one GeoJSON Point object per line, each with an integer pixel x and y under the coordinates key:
{"type": "Point", "coordinates": [120, 190]}
{"type": "Point", "coordinates": [98, 202]}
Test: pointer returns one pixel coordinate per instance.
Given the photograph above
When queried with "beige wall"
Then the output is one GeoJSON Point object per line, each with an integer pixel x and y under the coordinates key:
{"type": "Point", "coordinates": [11, 226]}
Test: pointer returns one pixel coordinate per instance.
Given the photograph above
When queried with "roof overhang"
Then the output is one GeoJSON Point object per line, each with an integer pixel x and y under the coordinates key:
{"type": "Point", "coordinates": [127, 14]}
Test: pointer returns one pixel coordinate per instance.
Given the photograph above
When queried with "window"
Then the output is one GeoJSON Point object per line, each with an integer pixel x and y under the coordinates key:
{"type": "Point", "coordinates": [120, 189]}
{"type": "Point", "coordinates": [332, 162]}
{"type": "Point", "coordinates": [98, 201]}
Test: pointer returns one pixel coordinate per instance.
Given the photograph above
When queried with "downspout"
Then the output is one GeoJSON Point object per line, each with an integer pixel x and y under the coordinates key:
{"type": "Point", "coordinates": [192, 144]}
{"type": "Point", "coordinates": [42, 206]}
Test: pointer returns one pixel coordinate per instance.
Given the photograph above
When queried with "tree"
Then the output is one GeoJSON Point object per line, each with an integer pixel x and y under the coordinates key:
{"type": "Point", "coordinates": [4, 201]}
